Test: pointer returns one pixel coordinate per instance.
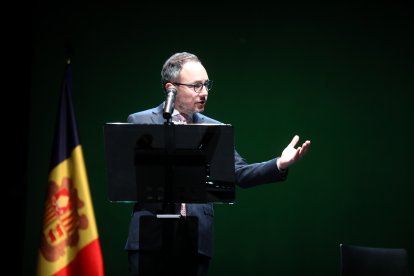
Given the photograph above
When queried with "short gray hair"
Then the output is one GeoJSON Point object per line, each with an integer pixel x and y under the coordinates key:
{"type": "Point", "coordinates": [172, 67]}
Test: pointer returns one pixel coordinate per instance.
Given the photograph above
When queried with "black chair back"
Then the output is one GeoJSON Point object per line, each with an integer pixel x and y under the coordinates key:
{"type": "Point", "coordinates": [373, 261]}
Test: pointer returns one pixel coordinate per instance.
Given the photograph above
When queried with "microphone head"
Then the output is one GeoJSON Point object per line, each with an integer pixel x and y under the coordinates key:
{"type": "Point", "coordinates": [169, 102]}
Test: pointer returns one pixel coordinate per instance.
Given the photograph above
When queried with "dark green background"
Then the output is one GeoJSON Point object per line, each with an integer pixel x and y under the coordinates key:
{"type": "Point", "coordinates": [337, 74]}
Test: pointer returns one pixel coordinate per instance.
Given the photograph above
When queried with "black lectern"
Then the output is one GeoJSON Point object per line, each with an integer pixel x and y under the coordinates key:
{"type": "Point", "coordinates": [196, 160]}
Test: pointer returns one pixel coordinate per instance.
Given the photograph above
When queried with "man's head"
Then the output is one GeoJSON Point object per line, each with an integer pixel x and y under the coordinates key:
{"type": "Point", "coordinates": [185, 72]}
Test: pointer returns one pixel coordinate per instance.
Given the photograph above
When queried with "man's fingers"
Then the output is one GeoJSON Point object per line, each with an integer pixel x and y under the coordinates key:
{"type": "Point", "coordinates": [304, 148]}
{"type": "Point", "coordinates": [298, 153]}
{"type": "Point", "coordinates": [294, 141]}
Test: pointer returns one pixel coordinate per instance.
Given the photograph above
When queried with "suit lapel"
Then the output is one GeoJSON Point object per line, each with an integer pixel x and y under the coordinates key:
{"type": "Point", "coordinates": [156, 116]}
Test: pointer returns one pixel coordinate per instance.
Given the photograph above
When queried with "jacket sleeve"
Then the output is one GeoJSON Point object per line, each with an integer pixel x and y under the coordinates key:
{"type": "Point", "coordinates": [250, 175]}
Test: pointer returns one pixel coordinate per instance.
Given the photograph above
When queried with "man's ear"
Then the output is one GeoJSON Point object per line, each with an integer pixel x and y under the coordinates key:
{"type": "Point", "coordinates": [167, 85]}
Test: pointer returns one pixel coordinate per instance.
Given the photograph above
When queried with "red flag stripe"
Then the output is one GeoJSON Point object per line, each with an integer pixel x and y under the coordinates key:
{"type": "Point", "coordinates": [88, 262]}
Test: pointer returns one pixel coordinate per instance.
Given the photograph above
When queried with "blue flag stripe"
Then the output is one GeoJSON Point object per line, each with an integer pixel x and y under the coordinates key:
{"type": "Point", "coordinates": [66, 136]}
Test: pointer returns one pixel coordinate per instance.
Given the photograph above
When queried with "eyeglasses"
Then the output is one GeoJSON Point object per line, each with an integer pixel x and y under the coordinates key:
{"type": "Point", "coordinates": [198, 86]}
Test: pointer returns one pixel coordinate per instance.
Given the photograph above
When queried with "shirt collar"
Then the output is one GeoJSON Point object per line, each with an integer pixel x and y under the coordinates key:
{"type": "Point", "coordinates": [175, 112]}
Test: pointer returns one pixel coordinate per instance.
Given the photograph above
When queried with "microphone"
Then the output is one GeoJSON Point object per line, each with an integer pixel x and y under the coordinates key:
{"type": "Point", "coordinates": [169, 103]}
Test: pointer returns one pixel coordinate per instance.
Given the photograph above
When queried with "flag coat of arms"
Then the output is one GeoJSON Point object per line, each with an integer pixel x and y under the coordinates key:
{"type": "Point", "coordinates": [69, 243]}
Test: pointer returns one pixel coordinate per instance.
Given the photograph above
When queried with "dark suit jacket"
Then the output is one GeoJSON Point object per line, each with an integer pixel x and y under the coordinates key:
{"type": "Point", "coordinates": [247, 175]}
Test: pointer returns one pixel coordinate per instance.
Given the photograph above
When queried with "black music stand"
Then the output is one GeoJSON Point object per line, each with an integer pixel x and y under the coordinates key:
{"type": "Point", "coordinates": [169, 164]}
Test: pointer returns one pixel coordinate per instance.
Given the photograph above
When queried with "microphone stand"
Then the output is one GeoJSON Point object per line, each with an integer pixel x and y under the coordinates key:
{"type": "Point", "coordinates": [169, 135]}
{"type": "Point", "coordinates": [168, 219]}
{"type": "Point", "coordinates": [179, 237]}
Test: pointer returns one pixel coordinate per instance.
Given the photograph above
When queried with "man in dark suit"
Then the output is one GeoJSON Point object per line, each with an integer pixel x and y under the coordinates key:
{"type": "Point", "coordinates": [185, 72]}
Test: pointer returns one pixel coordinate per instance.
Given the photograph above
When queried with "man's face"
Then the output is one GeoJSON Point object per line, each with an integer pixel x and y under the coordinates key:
{"type": "Point", "coordinates": [187, 100]}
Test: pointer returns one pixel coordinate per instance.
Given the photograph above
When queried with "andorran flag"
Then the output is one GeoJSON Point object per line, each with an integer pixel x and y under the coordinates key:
{"type": "Point", "coordinates": [69, 239]}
